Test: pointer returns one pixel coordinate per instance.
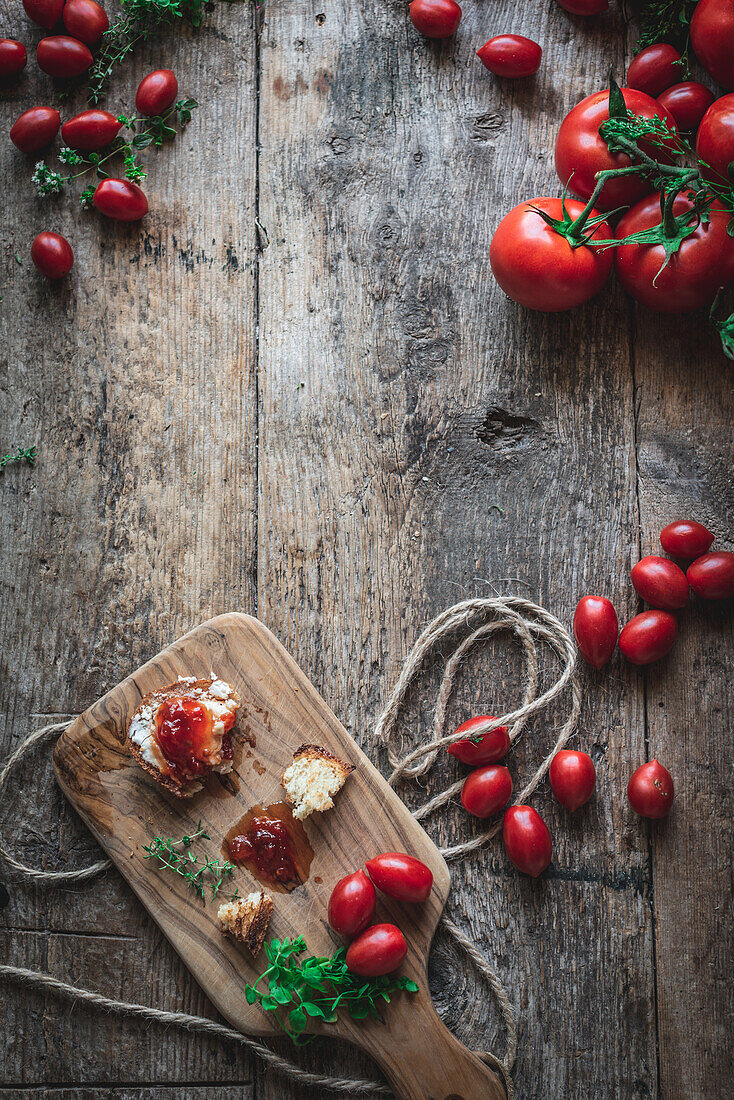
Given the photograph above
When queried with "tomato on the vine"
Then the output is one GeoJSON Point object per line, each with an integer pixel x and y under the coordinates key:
{"type": "Point", "coordinates": [712, 575]}
{"type": "Point", "coordinates": [352, 904]}
{"type": "Point", "coordinates": [687, 102]}
{"type": "Point", "coordinates": [90, 130]}
{"type": "Point", "coordinates": [376, 951]}
{"type": "Point", "coordinates": [52, 255]}
{"type": "Point", "coordinates": [654, 69]}
{"type": "Point", "coordinates": [650, 790]}
{"type": "Point", "coordinates": [435, 18]}
{"type": "Point", "coordinates": [648, 637]}
{"type": "Point", "coordinates": [511, 56]}
{"type": "Point", "coordinates": [35, 129]}
{"type": "Point", "coordinates": [685, 538]}
{"type": "Point", "coordinates": [537, 267]}
{"type": "Point", "coordinates": [86, 20]}
{"type": "Point", "coordinates": [581, 151]}
{"type": "Point", "coordinates": [527, 840]}
{"type": "Point", "coordinates": [480, 748]}
{"type": "Point", "coordinates": [572, 778]}
{"type": "Point", "coordinates": [156, 92]}
{"type": "Point", "coordinates": [712, 37]}
{"type": "Point", "coordinates": [595, 628]}
{"type": "Point", "coordinates": [13, 57]}
{"type": "Point", "coordinates": [120, 200]}
{"type": "Point", "coordinates": [715, 141]}
{"type": "Point", "coordinates": [400, 876]}
{"type": "Point", "coordinates": [62, 56]}
{"type": "Point", "coordinates": [44, 13]}
{"type": "Point", "coordinates": [660, 582]}
{"type": "Point", "coordinates": [692, 275]}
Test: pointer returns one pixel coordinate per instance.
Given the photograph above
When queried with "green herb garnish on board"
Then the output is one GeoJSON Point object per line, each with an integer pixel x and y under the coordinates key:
{"type": "Point", "coordinates": [317, 988]}
{"type": "Point", "coordinates": [23, 454]}
{"type": "Point", "coordinates": [177, 856]}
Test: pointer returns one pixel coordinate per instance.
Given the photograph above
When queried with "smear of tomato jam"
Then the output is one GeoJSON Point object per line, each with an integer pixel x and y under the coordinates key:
{"type": "Point", "coordinates": [184, 734]}
{"type": "Point", "coordinates": [267, 845]}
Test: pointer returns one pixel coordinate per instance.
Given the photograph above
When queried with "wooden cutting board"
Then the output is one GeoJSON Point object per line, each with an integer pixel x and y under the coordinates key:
{"type": "Point", "coordinates": [281, 709]}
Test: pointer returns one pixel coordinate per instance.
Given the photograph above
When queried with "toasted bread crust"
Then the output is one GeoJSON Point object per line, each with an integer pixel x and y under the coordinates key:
{"type": "Point", "coordinates": [250, 923]}
{"type": "Point", "coordinates": [319, 750]}
{"type": "Point", "coordinates": [182, 791]}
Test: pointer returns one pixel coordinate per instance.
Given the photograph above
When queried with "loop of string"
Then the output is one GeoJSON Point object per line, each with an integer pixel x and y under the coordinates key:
{"type": "Point", "coordinates": [479, 618]}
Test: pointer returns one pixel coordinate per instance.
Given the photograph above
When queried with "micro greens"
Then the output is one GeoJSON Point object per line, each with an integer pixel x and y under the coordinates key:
{"type": "Point", "coordinates": [177, 856]}
{"type": "Point", "coordinates": [22, 454]}
{"type": "Point", "coordinates": [317, 988]}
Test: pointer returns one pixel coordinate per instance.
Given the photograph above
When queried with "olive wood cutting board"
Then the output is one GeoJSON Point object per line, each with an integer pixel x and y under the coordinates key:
{"type": "Point", "coordinates": [281, 710]}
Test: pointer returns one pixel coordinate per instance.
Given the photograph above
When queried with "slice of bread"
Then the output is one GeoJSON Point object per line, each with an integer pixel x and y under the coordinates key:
{"type": "Point", "coordinates": [312, 780]}
{"type": "Point", "coordinates": [247, 919]}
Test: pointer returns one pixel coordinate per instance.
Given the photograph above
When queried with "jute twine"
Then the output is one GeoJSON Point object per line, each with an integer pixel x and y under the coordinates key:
{"type": "Point", "coordinates": [472, 622]}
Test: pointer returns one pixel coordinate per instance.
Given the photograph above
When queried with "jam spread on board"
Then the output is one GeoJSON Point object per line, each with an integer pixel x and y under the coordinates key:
{"type": "Point", "coordinates": [272, 845]}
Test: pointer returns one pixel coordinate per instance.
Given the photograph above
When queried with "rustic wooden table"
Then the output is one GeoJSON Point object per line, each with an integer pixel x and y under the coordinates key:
{"type": "Point", "coordinates": [344, 432]}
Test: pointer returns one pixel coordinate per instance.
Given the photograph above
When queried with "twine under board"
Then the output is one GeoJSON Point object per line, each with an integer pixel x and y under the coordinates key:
{"type": "Point", "coordinates": [478, 619]}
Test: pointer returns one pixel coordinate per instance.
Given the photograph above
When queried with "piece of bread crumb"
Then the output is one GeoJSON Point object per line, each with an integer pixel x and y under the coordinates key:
{"type": "Point", "coordinates": [247, 919]}
{"type": "Point", "coordinates": [313, 778]}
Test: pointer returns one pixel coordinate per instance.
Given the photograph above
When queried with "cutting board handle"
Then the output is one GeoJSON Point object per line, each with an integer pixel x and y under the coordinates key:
{"type": "Point", "coordinates": [424, 1061]}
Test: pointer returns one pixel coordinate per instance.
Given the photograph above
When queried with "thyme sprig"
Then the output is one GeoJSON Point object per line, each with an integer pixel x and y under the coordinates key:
{"type": "Point", "coordinates": [22, 454]}
{"type": "Point", "coordinates": [177, 856]}
{"type": "Point", "coordinates": [317, 987]}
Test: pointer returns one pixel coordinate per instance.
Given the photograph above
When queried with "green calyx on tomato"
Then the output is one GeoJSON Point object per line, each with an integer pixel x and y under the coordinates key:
{"type": "Point", "coordinates": [725, 328]}
{"type": "Point", "coordinates": [577, 231]}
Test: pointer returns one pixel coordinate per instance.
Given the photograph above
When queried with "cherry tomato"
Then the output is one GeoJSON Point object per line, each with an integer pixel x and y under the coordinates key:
{"type": "Point", "coordinates": [489, 747]}
{"type": "Point", "coordinates": [660, 582]}
{"type": "Point", "coordinates": [572, 778]}
{"type": "Point", "coordinates": [687, 102]}
{"type": "Point", "coordinates": [527, 840]}
{"type": "Point", "coordinates": [90, 130]}
{"type": "Point", "coordinates": [52, 255]}
{"type": "Point", "coordinates": [648, 637]}
{"type": "Point", "coordinates": [376, 951]}
{"type": "Point", "coordinates": [712, 576]}
{"type": "Point", "coordinates": [487, 790]}
{"type": "Point", "coordinates": [511, 55]}
{"type": "Point", "coordinates": [352, 904]}
{"type": "Point", "coordinates": [581, 152]}
{"type": "Point", "coordinates": [120, 200]}
{"type": "Point", "coordinates": [400, 876]}
{"type": "Point", "coordinates": [650, 790]}
{"type": "Point", "coordinates": [435, 18]}
{"type": "Point", "coordinates": [156, 92]}
{"type": "Point", "coordinates": [86, 20]}
{"type": "Point", "coordinates": [712, 36]}
{"type": "Point", "coordinates": [537, 267]}
{"type": "Point", "coordinates": [584, 7]}
{"type": "Point", "coordinates": [35, 129]}
{"type": "Point", "coordinates": [595, 628]}
{"type": "Point", "coordinates": [45, 13]}
{"type": "Point", "coordinates": [692, 276]}
{"type": "Point", "coordinates": [715, 140]}
{"type": "Point", "coordinates": [13, 57]}
{"type": "Point", "coordinates": [63, 56]}
{"type": "Point", "coordinates": [684, 538]}
{"type": "Point", "coordinates": [654, 69]}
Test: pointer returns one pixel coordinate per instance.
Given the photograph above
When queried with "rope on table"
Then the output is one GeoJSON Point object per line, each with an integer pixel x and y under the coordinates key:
{"type": "Point", "coordinates": [477, 619]}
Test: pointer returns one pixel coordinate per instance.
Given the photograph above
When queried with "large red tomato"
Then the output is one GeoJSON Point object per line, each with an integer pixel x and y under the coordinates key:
{"type": "Point", "coordinates": [715, 140]}
{"type": "Point", "coordinates": [703, 263]}
{"type": "Point", "coordinates": [712, 35]}
{"type": "Point", "coordinates": [581, 152]}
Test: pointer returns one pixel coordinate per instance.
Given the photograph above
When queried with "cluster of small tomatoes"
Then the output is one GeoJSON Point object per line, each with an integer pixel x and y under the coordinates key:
{"type": "Point", "coordinates": [376, 949]}
{"type": "Point", "coordinates": [66, 56]}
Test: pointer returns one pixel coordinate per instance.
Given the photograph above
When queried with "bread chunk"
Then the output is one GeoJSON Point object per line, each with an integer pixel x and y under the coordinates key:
{"type": "Point", "coordinates": [313, 779]}
{"type": "Point", "coordinates": [247, 919]}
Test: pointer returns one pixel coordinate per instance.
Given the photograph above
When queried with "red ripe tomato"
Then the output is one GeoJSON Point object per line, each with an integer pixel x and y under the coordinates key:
{"type": "Point", "coordinates": [692, 276]}
{"type": "Point", "coordinates": [527, 840]}
{"type": "Point", "coordinates": [595, 628]}
{"type": "Point", "coordinates": [486, 791]}
{"type": "Point", "coordinates": [581, 152]}
{"type": "Point", "coordinates": [687, 102]}
{"type": "Point", "coordinates": [684, 538]}
{"type": "Point", "coordinates": [712, 576]}
{"type": "Point", "coordinates": [654, 69]}
{"type": "Point", "coordinates": [376, 951]}
{"type": "Point", "coordinates": [86, 20]}
{"type": "Point", "coordinates": [90, 130]}
{"type": "Point", "coordinates": [45, 13]}
{"type": "Point", "coordinates": [511, 55]}
{"type": "Point", "coordinates": [660, 582]}
{"type": "Point", "coordinates": [400, 876]}
{"type": "Point", "coordinates": [537, 267]}
{"type": "Point", "coordinates": [572, 778]}
{"type": "Point", "coordinates": [52, 255]}
{"type": "Point", "coordinates": [156, 92]}
{"type": "Point", "coordinates": [584, 7]}
{"type": "Point", "coordinates": [487, 749]}
{"type": "Point", "coordinates": [650, 790]}
{"type": "Point", "coordinates": [715, 140]}
{"type": "Point", "coordinates": [120, 200]}
{"type": "Point", "coordinates": [63, 56]}
{"type": "Point", "coordinates": [712, 35]}
{"type": "Point", "coordinates": [352, 904]}
{"type": "Point", "coordinates": [435, 18]}
{"type": "Point", "coordinates": [35, 129]}
{"type": "Point", "coordinates": [13, 57]}
{"type": "Point", "coordinates": [648, 637]}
